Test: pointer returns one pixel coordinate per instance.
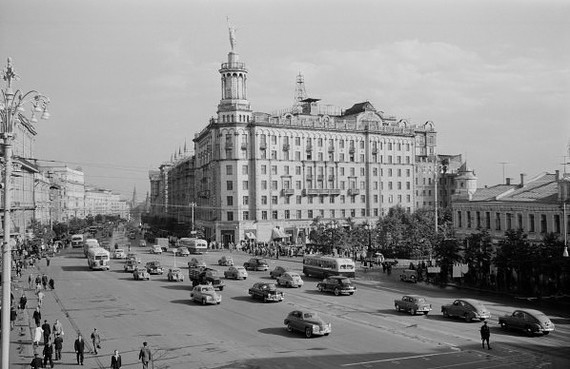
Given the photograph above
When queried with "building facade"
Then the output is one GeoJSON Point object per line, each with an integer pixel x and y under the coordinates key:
{"type": "Point", "coordinates": [255, 175]}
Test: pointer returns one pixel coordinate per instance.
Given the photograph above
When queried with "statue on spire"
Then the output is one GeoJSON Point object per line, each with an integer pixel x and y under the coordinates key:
{"type": "Point", "coordinates": [232, 31]}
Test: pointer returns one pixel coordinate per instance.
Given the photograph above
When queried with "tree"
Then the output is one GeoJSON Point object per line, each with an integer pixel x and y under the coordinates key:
{"type": "Point", "coordinates": [514, 256]}
{"type": "Point", "coordinates": [478, 256]}
{"type": "Point", "coordinates": [447, 252]}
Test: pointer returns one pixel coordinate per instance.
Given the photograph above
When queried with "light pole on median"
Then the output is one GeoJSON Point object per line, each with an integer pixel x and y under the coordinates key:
{"type": "Point", "coordinates": [13, 113]}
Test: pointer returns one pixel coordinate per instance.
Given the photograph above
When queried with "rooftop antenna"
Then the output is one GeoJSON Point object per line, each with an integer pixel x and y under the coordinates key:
{"type": "Point", "coordinates": [504, 164]}
{"type": "Point", "coordinates": [566, 162]}
{"type": "Point", "coordinates": [300, 92]}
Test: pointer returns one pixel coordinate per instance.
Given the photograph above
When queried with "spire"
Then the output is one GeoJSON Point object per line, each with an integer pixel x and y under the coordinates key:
{"type": "Point", "coordinates": [134, 199]}
{"type": "Point", "coordinates": [185, 149]}
{"type": "Point", "coordinates": [232, 32]}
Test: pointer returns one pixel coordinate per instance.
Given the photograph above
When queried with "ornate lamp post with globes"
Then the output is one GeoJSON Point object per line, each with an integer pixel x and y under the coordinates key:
{"type": "Point", "coordinates": [12, 113]}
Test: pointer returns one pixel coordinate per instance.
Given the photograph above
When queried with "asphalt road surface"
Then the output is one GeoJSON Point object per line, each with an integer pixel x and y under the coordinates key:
{"type": "Point", "coordinates": [241, 332]}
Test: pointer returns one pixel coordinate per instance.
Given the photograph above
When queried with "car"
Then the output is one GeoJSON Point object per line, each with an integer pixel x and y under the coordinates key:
{"type": "Point", "coordinates": [236, 272]}
{"type": "Point", "coordinates": [290, 279]}
{"type": "Point", "coordinates": [119, 254]}
{"type": "Point", "coordinates": [259, 264]}
{"type": "Point", "coordinates": [173, 250]}
{"type": "Point", "coordinates": [205, 294]}
{"type": "Point", "coordinates": [528, 320]}
{"type": "Point", "coordinates": [156, 249]}
{"type": "Point", "coordinates": [132, 256]}
{"type": "Point", "coordinates": [142, 243]}
{"type": "Point", "coordinates": [140, 274]}
{"type": "Point", "coordinates": [130, 265]}
{"type": "Point", "coordinates": [409, 275]}
{"type": "Point", "coordinates": [266, 291]}
{"type": "Point", "coordinates": [339, 285]}
{"type": "Point", "coordinates": [226, 261]}
{"type": "Point", "coordinates": [183, 251]}
{"type": "Point", "coordinates": [467, 309]}
{"type": "Point", "coordinates": [307, 322]}
{"type": "Point", "coordinates": [277, 271]}
{"type": "Point", "coordinates": [175, 274]}
{"type": "Point", "coordinates": [413, 304]}
{"type": "Point", "coordinates": [195, 263]}
{"type": "Point", "coordinates": [154, 267]}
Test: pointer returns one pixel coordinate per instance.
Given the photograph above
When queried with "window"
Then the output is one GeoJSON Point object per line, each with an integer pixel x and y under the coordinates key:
{"type": "Point", "coordinates": [274, 214]}
{"type": "Point", "coordinates": [286, 168]}
{"type": "Point", "coordinates": [264, 185]}
{"type": "Point", "coordinates": [321, 199]}
{"type": "Point", "coordinates": [229, 170]}
{"type": "Point", "coordinates": [298, 199]}
{"type": "Point", "coordinates": [274, 154]}
{"type": "Point", "coordinates": [297, 155]}
{"type": "Point", "coordinates": [230, 200]}
{"type": "Point", "coordinates": [245, 215]}
{"type": "Point", "coordinates": [245, 185]}
{"type": "Point", "coordinates": [245, 200]}
{"type": "Point", "coordinates": [299, 214]}
{"type": "Point", "coordinates": [229, 186]}
{"type": "Point", "coordinates": [375, 198]}
{"type": "Point", "coordinates": [362, 172]}
{"type": "Point", "coordinates": [310, 200]}
{"type": "Point", "coordinates": [498, 221]}
{"type": "Point", "coordinates": [519, 221]}
{"type": "Point", "coordinates": [297, 141]}
{"type": "Point", "coordinates": [264, 214]}
{"type": "Point", "coordinates": [287, 214]}
{"type": "Point", "coordinates": [310, 214]}
{"type": "Point", "coordinates": [556, 223]}
{"type": "Point", "coordinates": [531, 223]}
{"type": "Point", "coordinates": [478, 219]}
{"type": "Point", "coordinates": [408, 172]}
{"type": "Point", "coordinates": [362, 212]}
{"type": "Point", "coordinates": [333, 214]}
{"type": "Point", "coordinates": [375, 172]}
{"type": "Point", "coordinates": [363, 198]}
{"type": "Point", "coordinates": [399, 172]}
{"type": "Point", "coordinates": [264, 200]}
{"type": "Point", "coordinates": [343, 213]}
{"type": "Point", "coordinates": [287, 200]}
{"type": "Point", "coordinates": [543, 223]}
{"type": "Point", "coordinates": [342, 199]}
{"type": "Point", "coordinates": [459, 220]}
{"type": "Point", "coordinates": [263, 169]}
{"type": "Point", "coordinates": [274, 169]}
{"type": "Point", "coordinates": [390, 172]}
{"type": "Point", "coordinates": [230, 215]}
{"type": "Point", "coordinates": [274, 200]}
{"type": "Point", "coordinates": [274, 185]}
{"type": "Point", "coordinates": [509, 218]}
{"type": "Point", "coordinates": [468, 219]}
{"type": "Point", "coordinates": [244, 169]}
{"type": "Point", "coordinates": [298, 170]}
{"type": "Point", "coordinates": [298, 185]}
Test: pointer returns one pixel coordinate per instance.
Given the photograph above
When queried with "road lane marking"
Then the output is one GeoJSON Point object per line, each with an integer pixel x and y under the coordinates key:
{"type": "Point", "coordinates": [401, 358]}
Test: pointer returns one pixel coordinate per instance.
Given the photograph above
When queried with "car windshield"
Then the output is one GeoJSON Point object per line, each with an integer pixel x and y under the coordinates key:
{"type": "Point", "coordinates": [293, 275]}
{"type": "Point", "coordinates": [175, 270]}
{"type": "Point", "coordinates": [208, 289]}
{"type": "Point", "coordinates": [421, 300]}
{"type": "Point", "coordinates": [308, 315]}
{"type": "Point", "coordinates": [240, 268]}
{"type": "Point", "coordinates": [345, 282]}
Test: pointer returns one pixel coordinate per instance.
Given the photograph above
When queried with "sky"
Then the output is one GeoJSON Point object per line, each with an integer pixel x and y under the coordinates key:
{"type": "Point", "coordinates": [132, 81]}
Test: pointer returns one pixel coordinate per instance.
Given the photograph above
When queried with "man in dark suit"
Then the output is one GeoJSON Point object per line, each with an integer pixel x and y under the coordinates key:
{"type": "Point", "coordinates": [79, 349]}
{"type": "Point", "coordinates": [47, 331]}
{"type": "Point", "coordinates": [116, 360]}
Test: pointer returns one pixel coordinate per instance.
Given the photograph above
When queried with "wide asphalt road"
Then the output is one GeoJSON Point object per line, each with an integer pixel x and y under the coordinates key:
{"type": "Point", "coordinates": [367, 332]}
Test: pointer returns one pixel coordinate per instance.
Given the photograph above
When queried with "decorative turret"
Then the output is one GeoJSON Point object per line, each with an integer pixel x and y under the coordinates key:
{"type": "Point", "coordinates": [465, 182]}
{"type": "Point", "coordinates": [234, 106]}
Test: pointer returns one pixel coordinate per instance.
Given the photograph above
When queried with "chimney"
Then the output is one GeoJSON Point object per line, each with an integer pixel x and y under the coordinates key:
{"type": "Point", "coordinates": [508, 181]}
{"type": "Point", "coordinates": [557, 175]}
{"type": "Point", "coordinates": [522, 179]}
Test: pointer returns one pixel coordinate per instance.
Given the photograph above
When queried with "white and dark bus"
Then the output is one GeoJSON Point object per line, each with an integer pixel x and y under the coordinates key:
{"type": "Point", "coordinates": [194, 245]}
{"type": "Point", "coordinates": [320, 266]}
{"type": "Point", "coordinates": [98, 258]}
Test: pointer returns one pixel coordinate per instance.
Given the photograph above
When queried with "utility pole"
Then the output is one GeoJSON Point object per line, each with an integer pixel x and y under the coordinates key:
{"type": "Point", "coordinates": [192, 206]}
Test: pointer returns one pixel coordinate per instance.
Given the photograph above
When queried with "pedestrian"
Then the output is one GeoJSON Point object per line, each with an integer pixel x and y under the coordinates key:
{"type": "Point", "coordinates": [47, 331]}
{"type": "Point", "coordinates": [57, 328]}
{"type": "Point", "coordinates": [13, 316]}
{"type": "Point", "coordinates": [96, 339]}
{"type": "Point", "coordinates": [51, 284]}
{"type": "Point", "coordinates": [41, 296]}
{"type": "Point", "coordinates": [31, 281]}
{"type": "Point", "coordinates": [145, 356]}
{"type": "Point", "coordinates": [116, 360]}
{"type": "Point", "coordinates": [485, 335]}
{"type": "Point", "coordinates": [38, 279]}
{"type": "Point", "coordinates": [38, 332]}
{"type": "Point", "coordinates": [23, 301]}
{"type": "Point", "coordinates": [37, 362]}
{"type": "Point", "coordinates": [48, 354]}
{"type": "Point", "coordinates": [44, 281]}
{"type": "Point", "coordinates": [79, 347]}
{"type": "Point", "coordinates": [58, 345]}
{"type": "Point", "coordinates": [48, 260]}
{"type": "Point", "coordinates": [38, 316]}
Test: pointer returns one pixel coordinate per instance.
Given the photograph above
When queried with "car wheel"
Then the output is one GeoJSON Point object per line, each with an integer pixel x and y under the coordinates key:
{"type": "Point", "coordinates": [545, 333]}
{"type": "Point", "coordinates": [412, 311]}
{"type": "Point", "coordinates": [289, 327]}
{"type": "Point", "coordinates": [445, 313]}
{"type": "Point", "coordinates": [321, 289]}
{"type": "Point", "coordinates": [221, 288]}
{"type": "Point", "coordinates": [264, 298]}
{"type": "Point", "coordinates": [336, 292]}
{"type": "Point", "coordinates": [426, 312]}
{"type": "Point", "coordinates": [467, 318]}
{"type": "Point", "coordinates": [203, 301]}
{"type": "Point", "coordinates": [308, 332]}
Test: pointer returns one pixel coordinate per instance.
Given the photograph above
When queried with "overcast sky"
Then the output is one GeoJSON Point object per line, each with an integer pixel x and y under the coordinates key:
{"type": "Point", "coordinates": [132, 81]}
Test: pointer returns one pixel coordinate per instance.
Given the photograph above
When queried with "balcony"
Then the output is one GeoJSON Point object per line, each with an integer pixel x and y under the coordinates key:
{"type": "Point", "coordinates": [309, 148]}
{"type": "Point", "coordinates": [351, 150]}
{"type": "Point", "coordinates": [244, 145]}
{"type": "Point", "coordinates": [286, 147]}
{"type": "Point", "coordinates": [263, 145]}
{"type": "Point", "coordinates": [334, 191]}
{"type": "Point", "coordinates": [353, 192]}
{"type": "Point", "coordinates": [309, 177]}
{"type": "Point", "coordinates": [331, 148]}
{"type": "Point", "coordinates": [320, 177]}
{"type": "Point", "coordinates": [331, 177]}
{"type": "Point", "coordinates": [229, 145]}
{"type": "Point", "coordinates": [374, 150]}
{"type": "Point", "coordinates": [287, 192]}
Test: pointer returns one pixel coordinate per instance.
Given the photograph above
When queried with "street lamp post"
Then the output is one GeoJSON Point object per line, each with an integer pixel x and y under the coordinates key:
{"type": "Point", "coordinates": [12, 113]}
{"type": "Point", "coordinates": [565, 252]}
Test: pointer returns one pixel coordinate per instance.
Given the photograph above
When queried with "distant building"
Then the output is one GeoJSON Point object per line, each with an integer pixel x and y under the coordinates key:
{"type": "Point", "coordinates": [535, 206]}
{"type": "Point", "coordinates": [72, 186]}
{"type": "Point", "coordinates": [100, 201]}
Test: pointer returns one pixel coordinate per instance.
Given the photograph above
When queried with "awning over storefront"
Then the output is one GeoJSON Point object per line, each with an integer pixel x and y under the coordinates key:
{"type": "Point", "coordinates": [250, 235]}
{"type": "Point", "coordinates": [278, 233]}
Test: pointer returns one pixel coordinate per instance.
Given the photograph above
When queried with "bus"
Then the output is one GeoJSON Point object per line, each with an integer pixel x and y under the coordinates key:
{"type": "Point", "coordinates": [194, 245]}
{"type": "Point", "coordinates": [325, 266]}
{"type": "Point", "coordinates": [98, 258]}
{"type": "Point", "coordinates": [77, 240]}
{"type": "Point", "coordinates": [89, 244]}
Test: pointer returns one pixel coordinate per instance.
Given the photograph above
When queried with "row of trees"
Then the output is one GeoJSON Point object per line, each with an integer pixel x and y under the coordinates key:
{"type": "Point", "coordinates": [512, 264]}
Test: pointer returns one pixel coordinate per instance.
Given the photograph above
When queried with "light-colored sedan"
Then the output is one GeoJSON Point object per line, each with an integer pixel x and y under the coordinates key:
{"type": "Point", "coordinates": [290, 279]}
{"type": "Point", "coordinates": [183, 251]}
{"type": "Point", "coordinates": [119, 254]}
{"type": "Point", "coordinates": [236, 272]}
{"type": "Point", "coordinates": [205, 294]}
{"type": "Point", "coordinates": [226, 261]}
{"type": "Point", "coordinates": [141, 274]}
{"type": "Point", "coordinates": [156, 249]}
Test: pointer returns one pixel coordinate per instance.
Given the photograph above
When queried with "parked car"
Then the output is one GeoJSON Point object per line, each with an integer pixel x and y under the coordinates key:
{"type": "Point", "coordinates": [205, 294]}
{"type": "Point", "coordinates": [142, 243]}
{"type": "Point", "coordinates": [156, 249]}
{"type": "Point", "coordinates": [467, 309]}
{"type": "Point", "coordinates": [413, 304]}
{"type": "Point", "coordinates": [195, 263]}
{"type": "Point", "coordinates": [175, 274]}
{"type": "Point", "coordinates": [528, 320]}
{"type": "Point", "coordinates": [119, 254]}
{"type": "Point", "coordinates": [183, 251]}
{"type": "Point", "coordinates": [133, 256]}
{"type": "Point", "coordinates": [409, 275]}
{"type": "Point", "coordinates": [226, 261]}
{"type": "Point", "coordinates": [307, 322]}
{"type": "Point", "coordinates": [277, 271]}
{"type": "Point", "coordinates": [266, 291]}
{"type": "Point", "coordinates": [236, 272]}
{"type": "Point", "coordinates": [337, 284]}
{"type": "Point", "coordinates": [259, 264]}
{"type": "Point", "coordinates": [141, 274]}
{"type": "Point", "coordinates": [290, 279]}
{"type": "Point", "coordinates": [154, 267]}
{"type": "Point", "coordinates": [130, 265]}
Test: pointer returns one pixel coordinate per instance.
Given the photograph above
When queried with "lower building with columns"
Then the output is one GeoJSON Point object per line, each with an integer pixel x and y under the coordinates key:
{"type": "Point", "coordinates": [267, 176]}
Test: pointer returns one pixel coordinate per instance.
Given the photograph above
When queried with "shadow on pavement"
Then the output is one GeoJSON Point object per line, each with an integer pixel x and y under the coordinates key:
{"type": "Point", "coordinates": [76, 268]}
{"type": "Point", "coordinates": [281, 331]}
{"type": "Point", "coordinates": [248, 299]}
{"type": "Point", "coordinates": [179, 287]}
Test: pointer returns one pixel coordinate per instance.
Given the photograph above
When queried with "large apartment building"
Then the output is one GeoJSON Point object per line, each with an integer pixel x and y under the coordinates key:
{"type": "Point", "coordinates": [268, 175]}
